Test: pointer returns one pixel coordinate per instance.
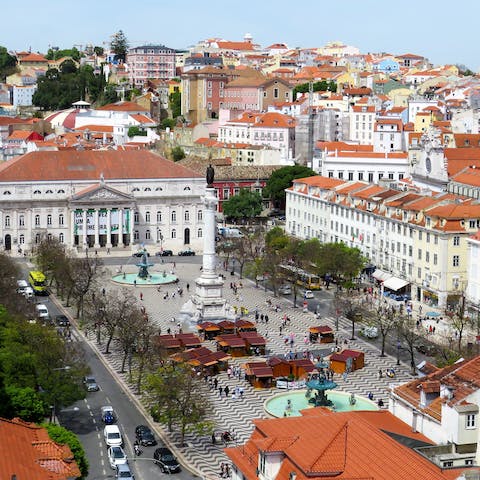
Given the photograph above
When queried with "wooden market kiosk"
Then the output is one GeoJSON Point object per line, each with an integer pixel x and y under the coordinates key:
{"type": "Point", "coordinates": [347, 361]}
{"type": "Point", "coordinates": [321, 334]}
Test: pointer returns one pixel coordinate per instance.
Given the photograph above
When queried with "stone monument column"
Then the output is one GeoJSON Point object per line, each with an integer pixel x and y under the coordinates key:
{"type": "Point", "coordinates": [207, 303]}
{"type": "Point", "coordinates": [209, 255]}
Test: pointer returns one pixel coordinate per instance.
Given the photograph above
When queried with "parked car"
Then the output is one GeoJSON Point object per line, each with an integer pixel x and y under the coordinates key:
{"type": "Point", "coordinates": [164, 253]}
{"type": "Point", "coordinates": [140, 253]}
{"type": "Point", "coordinates": [308, 294]}
{"type": "Point", "coordinates": [62, 321]}
{"type": "Point", "coordinates": [22, 285]}
{"type": "Point", "coordinates": [426, 349]}
{"type": "Point", "coordinates": [165, 459]}
{"type": "Point", "coordinates": [108, 415]}
{"type": "Point", "coordinates": [285, 289]}
{"type": "Point", "coordinates": [145, 436]}
{"type": "Point", "coordinates": [124, 472]}
{"type": "Point", "coordinates": [186, 253]}
{"type": "Point", "coordinates": [112, 436]}
{"type": "Point", "coordinates": [91, 384]}
{"type": "Point", "coordinates": [116, 456]}
{"type": "Point", "coordinates": [370, 331]}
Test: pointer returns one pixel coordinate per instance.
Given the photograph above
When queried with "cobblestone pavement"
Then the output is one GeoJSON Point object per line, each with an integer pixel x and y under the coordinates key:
{"type": "Point", "coordinates": [236, 415]}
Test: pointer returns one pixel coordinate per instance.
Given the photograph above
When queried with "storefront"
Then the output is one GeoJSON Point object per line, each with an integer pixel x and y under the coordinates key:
{"type": "Point", "coordinates": [430, 298]}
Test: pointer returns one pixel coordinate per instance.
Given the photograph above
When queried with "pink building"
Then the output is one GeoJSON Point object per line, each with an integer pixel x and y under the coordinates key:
{"type": "Point", "coordinates": [150, 62]}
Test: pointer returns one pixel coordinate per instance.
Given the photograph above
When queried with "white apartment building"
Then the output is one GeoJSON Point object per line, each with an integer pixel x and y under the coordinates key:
{"type": "Point", "coordinates": [365, 166]}
{"type": "Point", "coordinates": [23, 94]}
{"type": "Point", "coordinates": [362, 122]}
{"type": "Point", "coordinates": [273, 130]}
{"type": "Point", "coordinates": [388, 135]}
{"type": "Point", "coordinates": [413, 239]}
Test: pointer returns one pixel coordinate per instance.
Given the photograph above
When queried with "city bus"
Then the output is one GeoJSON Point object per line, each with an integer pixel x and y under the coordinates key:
{"type": "Point", "coordinates": [305, 279]}
{"type": "Point", "coordinates": [38, 282]}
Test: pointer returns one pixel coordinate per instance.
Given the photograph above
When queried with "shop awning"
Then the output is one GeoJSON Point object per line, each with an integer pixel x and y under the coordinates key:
{"type": "Point", "coordinates": [380, 275]}
{"type": "Point", "coordinates": [394, 283]}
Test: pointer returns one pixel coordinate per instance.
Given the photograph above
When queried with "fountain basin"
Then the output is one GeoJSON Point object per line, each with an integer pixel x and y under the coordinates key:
{"type": "Point", "coordinates": [276, 406]}
{"type": "Point", "coordinates": [151, 280]}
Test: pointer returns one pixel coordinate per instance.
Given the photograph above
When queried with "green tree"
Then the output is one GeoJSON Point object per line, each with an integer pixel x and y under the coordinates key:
{"type": "Point", "coordinates": [175, 103]}
{"type": "Point", "coordinates": [178, 153]}
{"type": "Point", "coordinates": [245, 205]}
{"type": "Point", "coordinates": [54, 53]}
{"type": "Point", "coordinates": [168, 123]}
{"type": "Point", "coordinates": [282, 179]}
{"type": "Point", "coordinates": [119, 45]}
{"type": "Point", "coordinates": [65, 437]}
{"type": "Point", "coordinates": [134, 131]}
{"type": "Point", "coordinates": [26, 403]}
{"type": "Point", "coordinates": [177, 398]}
{"type": "Point", "coordinates": [99, 51]}
{"type": "Point", "coordinates": [343, 263]}
{"type": "Point", "coordinates": [8, 64]}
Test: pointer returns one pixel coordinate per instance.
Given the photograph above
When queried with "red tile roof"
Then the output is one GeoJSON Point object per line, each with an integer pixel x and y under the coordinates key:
{"type": "Point", "coordinates": [123, 107]}
{"type": "Point", "coordinates": [331, 446]}
{"type": "Point", "coordinates": [89, 165]}
{"type": "Point", "coordinates": [28, 453]}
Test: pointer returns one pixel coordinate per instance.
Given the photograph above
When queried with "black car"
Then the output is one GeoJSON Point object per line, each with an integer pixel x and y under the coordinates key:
{"type": "Point", "coordinates": [186, 253]}
{"type": "Point", "coordinates": [145, 436]}
{"type": "Point", "coordinates": [140, 253]}
{"type": "Point", "coordinates": [166, 460]}
{"type": "Point", "coordinates": [62, 321]}
{"type": "Point", "coordinates": [164, 253]}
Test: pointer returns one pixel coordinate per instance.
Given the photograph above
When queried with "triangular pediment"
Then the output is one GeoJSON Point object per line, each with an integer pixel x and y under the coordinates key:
{"type": "Point", "coordinates": [99, 193]}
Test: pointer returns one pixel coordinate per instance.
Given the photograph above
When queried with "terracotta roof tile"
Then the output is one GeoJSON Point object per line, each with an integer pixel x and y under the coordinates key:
{"type": "Point", "coordinates": [123, 107]}
{"type": "Point", "coordinates": [89, 165]}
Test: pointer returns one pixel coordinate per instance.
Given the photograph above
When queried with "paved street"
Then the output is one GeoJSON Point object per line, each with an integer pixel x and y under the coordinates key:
{"type": "Point", "coordinates": [235, 415]}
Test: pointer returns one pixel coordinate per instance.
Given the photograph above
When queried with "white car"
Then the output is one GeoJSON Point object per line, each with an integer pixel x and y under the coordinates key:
{"type": "Point", "coordinates": [112, 436]}
{"type": "Point", "coordinates": [42, 312]}
{"type": "Point", "coordinates": [116, 456]}
{"type": "Point", "coordinates": [285, 289]}
{"type": "Point", "coordinates": [308, 294]}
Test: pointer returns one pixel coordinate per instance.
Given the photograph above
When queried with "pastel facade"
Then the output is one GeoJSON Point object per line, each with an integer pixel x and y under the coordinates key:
{"type": "Point", "coordinates": [362, 122]}
{"type": "Point", "coordinates": [419, 239]}
{"type": "Point", "coordinates": [150, 61]}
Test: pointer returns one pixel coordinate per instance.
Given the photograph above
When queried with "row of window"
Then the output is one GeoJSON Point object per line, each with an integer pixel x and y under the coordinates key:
{"type": "Point", "coordinates": [361, 175]}
{"type": "Point", "coordinates": [136, 215]}
{"type": "Point", "coordinates": [37, 192]}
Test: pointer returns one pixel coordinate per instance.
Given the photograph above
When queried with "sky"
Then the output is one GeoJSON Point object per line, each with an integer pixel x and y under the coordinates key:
{"type": "Point", "coordinates": [442, 31]}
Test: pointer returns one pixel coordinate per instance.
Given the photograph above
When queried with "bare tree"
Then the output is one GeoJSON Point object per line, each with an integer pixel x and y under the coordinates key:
{"type": "Point", "coordinates": [459, 322]}
{"type": "Point", "coordinates": [86, 271]}
{"type": "Point", "coordinates": [406, 332]}
{"type": "Point", "coordinates": [385, 320]}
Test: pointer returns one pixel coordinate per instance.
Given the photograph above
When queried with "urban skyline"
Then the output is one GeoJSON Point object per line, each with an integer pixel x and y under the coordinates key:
{"type": "Point", "coordinates": [415, 27]}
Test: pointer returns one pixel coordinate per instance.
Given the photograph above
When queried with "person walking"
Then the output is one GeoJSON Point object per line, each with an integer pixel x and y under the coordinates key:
{"type": "Point", "coordinates": [380, 373]}
{"type": "Point", "coordinates": [220, 391]}
{"type": "Point", "coordinates": [141, 296]}
{"type": "Point", "coordinates": [227, 391]}
{"type": "Point", "coordinates": [215, 382]}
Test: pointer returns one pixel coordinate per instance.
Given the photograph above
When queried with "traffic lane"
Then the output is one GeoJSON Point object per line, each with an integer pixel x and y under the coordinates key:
{"type": "Point", "coordinates": [128, 417]}
{"type": "Point", "coordinates": [156, 260]}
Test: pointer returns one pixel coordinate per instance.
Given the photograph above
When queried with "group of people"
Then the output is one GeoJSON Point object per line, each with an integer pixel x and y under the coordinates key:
{"type": "Point", "coordinates": [225, 471]}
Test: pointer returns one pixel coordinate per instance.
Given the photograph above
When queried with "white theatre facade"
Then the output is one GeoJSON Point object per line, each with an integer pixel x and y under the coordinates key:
{"type": "Point", "coordinates": [100, 199]}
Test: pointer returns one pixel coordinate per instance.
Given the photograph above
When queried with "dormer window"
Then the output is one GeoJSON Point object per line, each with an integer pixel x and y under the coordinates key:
{"type": "Point", "coordinates": [159, 189]}
{"type": "Point", "coordinates": [135, 189]}
{"type": "Point", "coordinates": [37, 192]}
{"type": "Point", "coordinates": [187, 189]}
{"type": "Point", "coordinates": [49, 191]}
{"type": "Point", "coordinates": [147, 189]}
{"type": "Point", "coordinates": [61, 191]}
{"type": "Point", "coordinates": [7, 192]}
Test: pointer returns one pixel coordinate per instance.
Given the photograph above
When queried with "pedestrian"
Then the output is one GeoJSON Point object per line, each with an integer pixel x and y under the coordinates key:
{"type": "Point", "coordinates": [256, 315]}
{"type": "Point", "coordinates": [188, 287]}
{"type": "Point", "coordinates": [135, 283]}
{"type": "Point", "coordinates": [141, 296]}
{"type": "Point", "coordinates": [222, 470]}
{"type": "Point", "coordinates": [103, 291]}
{"type": "Point", "coordinates": [214, 441]}
{"type": "Point", "coordinates": [220, 391]}
{"type": "Point", "coordinates": [234, 396]}
{"type": "Point", "coordinates": [433, 329]}
{"type": "Point", "coordinates": [380, 373]}
{"type": "Point", "coordinates": [240, 391]}
{"type": "Point", "coordinates": [229, 372]}
{"type": "Point", "coordinates": [108, 251]}
{"type": "Point", "coordinates": [174, 265]}
{"type": "Point", "coordinates": [215, 382]}
{"type": "Point", "coordinates": [266, 318]}
{"type": "Point", "coordinates": [261, 318]}
{"type": "Point", "coordinates": [227, 391]}
{"type": "Point", "coordinates": [370, 396]}
{"type": "Point", "coordinates": [344, 376]}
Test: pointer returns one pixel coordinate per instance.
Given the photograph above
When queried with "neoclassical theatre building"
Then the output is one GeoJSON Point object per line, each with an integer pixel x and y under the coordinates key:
{"type": "Point", "coordinates": [100, 199]}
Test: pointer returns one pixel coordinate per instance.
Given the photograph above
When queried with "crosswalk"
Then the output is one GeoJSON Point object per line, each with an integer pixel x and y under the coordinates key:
{"type": "Point", "coordinates": [236, 414]}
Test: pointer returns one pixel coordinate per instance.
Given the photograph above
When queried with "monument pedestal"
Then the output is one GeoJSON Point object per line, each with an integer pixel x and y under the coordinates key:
{"type": "Point", "coordinates": [207, 303]}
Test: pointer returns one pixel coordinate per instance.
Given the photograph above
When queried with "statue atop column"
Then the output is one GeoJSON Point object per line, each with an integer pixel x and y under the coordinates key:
{"type": "Point", "coordinates": [210, 175]}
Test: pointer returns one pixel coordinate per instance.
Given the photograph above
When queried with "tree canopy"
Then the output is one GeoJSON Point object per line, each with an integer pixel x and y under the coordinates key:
{"type": "Point", "coordinates": [322, 86]}
{"type": "Point", "coordinates": [55, 54]}
{"type": "Point", "coordinates": [8, 64]}
{"type": "Point", "coordinates": [282, 179]}
{"type": "Point", "coordinates": [119, 45]}
{"type": "Point", "coordinates": [59, 89]}
{"type": "Point", "coordinates": [246, 204]}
